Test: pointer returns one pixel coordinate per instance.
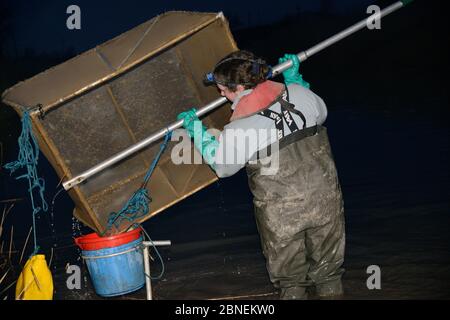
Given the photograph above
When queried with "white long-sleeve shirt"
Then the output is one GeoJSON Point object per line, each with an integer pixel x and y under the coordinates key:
{"type": "Point", "coordinates": [242, 138]}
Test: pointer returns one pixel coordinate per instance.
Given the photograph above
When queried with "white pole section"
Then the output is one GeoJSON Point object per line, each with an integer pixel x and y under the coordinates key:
{"type": "Point", "coordinates": [220, 101]}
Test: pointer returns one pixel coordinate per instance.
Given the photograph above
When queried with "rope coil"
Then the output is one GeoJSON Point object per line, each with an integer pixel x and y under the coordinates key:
{"type": "Point", "coordinates": [28, 158]}
{"type": "Point", "coordinates": [138, 205]}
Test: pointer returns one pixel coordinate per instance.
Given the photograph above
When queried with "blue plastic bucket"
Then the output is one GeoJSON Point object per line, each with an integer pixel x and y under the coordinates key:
{"type": "Point", "coordinates": [118, 270]}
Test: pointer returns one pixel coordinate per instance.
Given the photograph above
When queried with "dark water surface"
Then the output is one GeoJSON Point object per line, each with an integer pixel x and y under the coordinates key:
{"type": "Point", "coordinates": [393, 168]}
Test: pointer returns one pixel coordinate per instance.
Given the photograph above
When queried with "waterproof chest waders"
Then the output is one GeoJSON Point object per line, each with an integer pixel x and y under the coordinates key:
{"type": "Point", "coordinates": [300, 216]}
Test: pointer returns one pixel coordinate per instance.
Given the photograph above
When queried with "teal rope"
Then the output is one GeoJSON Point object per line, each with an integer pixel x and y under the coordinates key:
{"type": "Point", "coordinates": [28, 157]}
{"type": "Point", "coordinates": [138, 205]}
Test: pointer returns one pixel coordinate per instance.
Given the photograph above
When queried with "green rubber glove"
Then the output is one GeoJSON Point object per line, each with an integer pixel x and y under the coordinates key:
{"type": "Point", "coordinates": [292, 74]}
{"type": "Point", "coordinates": [205, 143]}
{"type": "Point", "coordinates": [188, 118]}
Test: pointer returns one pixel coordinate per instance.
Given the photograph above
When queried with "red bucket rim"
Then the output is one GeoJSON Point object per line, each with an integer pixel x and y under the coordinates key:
{"type": "Point", "coordinates": [93, 241]}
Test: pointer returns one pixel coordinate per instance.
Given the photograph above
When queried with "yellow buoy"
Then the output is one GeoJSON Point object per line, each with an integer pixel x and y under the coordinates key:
{"type": "Point", "coordinates": [35, 282]}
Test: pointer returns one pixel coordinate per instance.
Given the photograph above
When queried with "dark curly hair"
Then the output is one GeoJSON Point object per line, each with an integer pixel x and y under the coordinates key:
{"type": "Point", "coordinates": [241, 68]}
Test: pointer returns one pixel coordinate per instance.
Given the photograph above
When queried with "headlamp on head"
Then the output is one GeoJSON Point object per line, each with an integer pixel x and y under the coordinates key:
{"type": "Point", "coordinates": [256, 65]}
{"type": "Point", "coordinates": [209, 78]}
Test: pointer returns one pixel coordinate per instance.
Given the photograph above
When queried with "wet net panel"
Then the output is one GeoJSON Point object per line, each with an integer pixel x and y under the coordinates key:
{"type": "Point", "coordinates": [111, 97]}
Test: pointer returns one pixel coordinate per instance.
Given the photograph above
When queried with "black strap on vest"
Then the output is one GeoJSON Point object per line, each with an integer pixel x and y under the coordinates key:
{"type": "Point", "coordinates": [276, 117]}
{"type": "Point", "coordinates": [289, 139]}
{"type": "Point", "coordinates": [295, 135]}
{"type": "Point", "coordinates": [285, 104]}
{"type": "Point", "coordinates": [286, 109]}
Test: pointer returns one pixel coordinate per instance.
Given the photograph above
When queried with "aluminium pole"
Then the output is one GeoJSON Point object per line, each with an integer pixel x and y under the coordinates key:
{"type": "Point", "coordinates": [220, 101]}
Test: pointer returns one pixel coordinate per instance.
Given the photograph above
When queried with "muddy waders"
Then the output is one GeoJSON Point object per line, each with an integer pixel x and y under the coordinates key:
{"type": "Point", "coordinates": [300, 217]}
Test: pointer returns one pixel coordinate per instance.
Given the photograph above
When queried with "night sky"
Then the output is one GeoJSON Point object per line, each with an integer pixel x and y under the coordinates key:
{"type": "Point", "coordinates": [41, 25]}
